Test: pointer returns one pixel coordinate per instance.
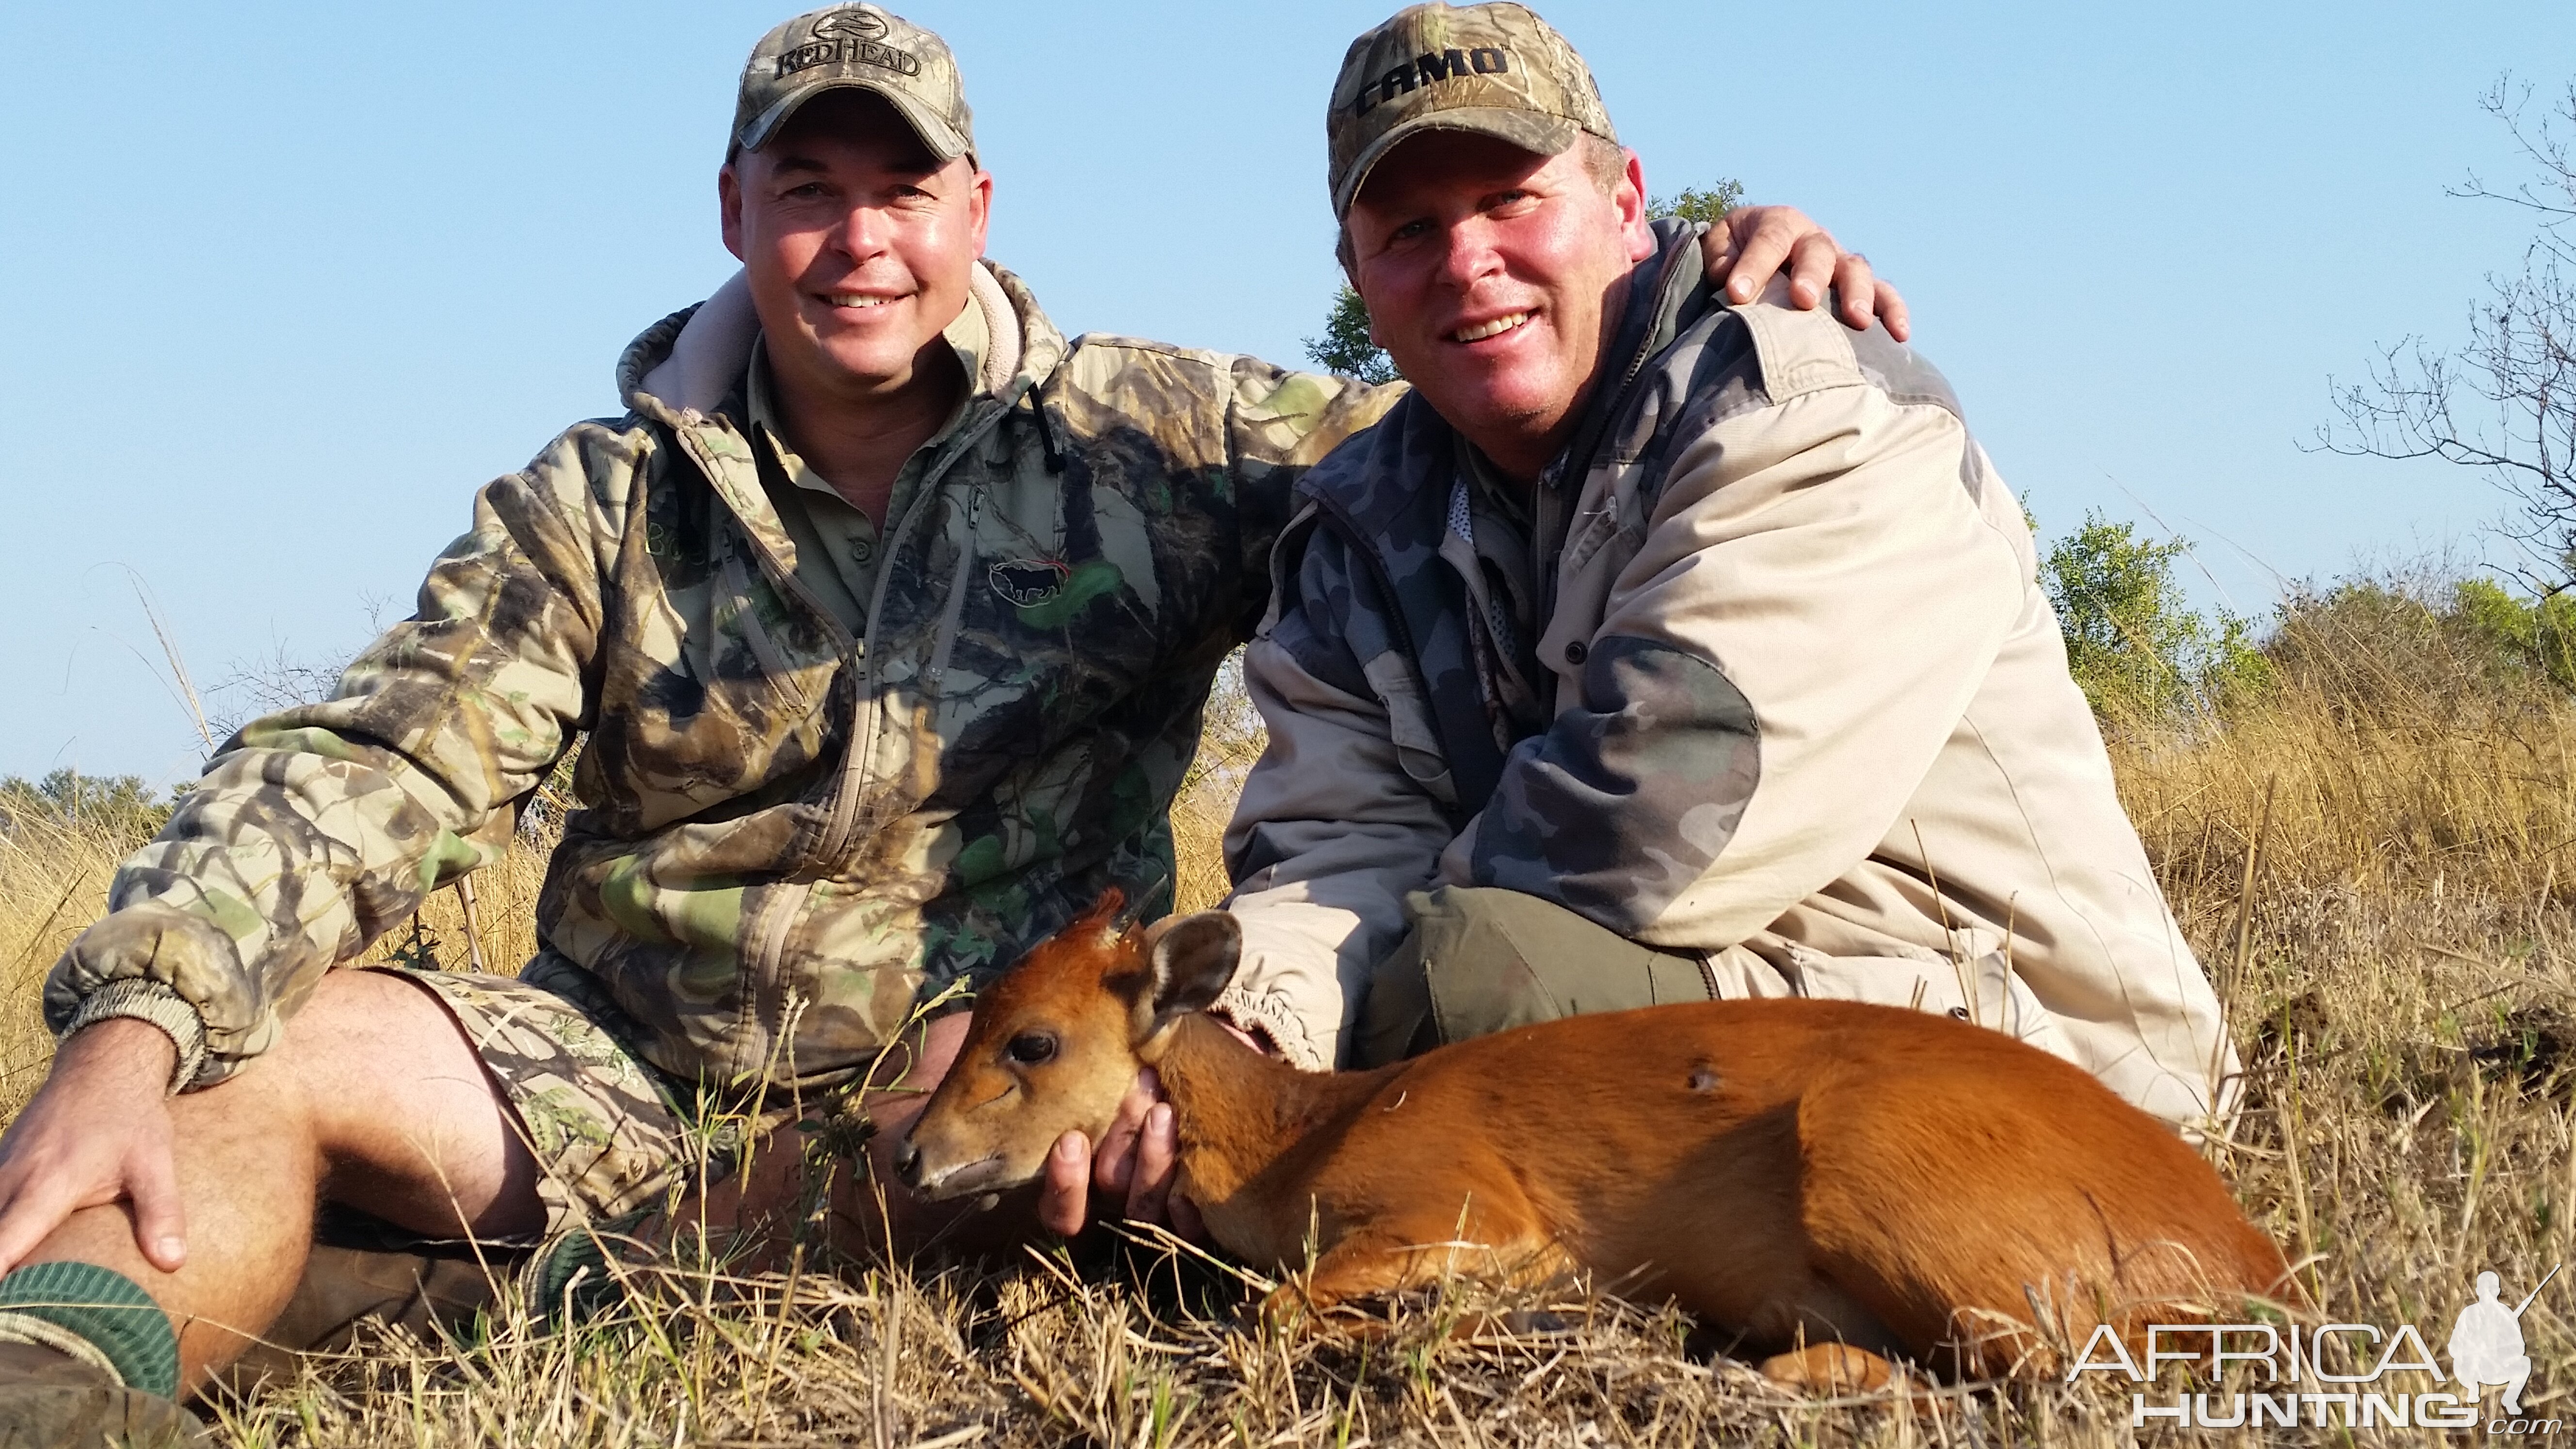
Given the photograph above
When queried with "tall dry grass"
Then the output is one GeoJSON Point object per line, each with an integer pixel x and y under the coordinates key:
{"type": "Point", "coordinates": [2398, 975]}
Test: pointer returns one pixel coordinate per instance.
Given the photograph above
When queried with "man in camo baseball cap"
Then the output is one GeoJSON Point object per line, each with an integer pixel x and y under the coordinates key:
{"type": "Point", "coordinates": [1496, 69]}
{"type": "Point", "coordinates": [855, 47]}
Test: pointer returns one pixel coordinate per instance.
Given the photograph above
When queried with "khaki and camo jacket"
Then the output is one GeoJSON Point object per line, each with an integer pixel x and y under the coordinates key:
{"type": "Point", "coordinates": [1800, 707]}
{"type": "Point", "coordinates": [789, 832]}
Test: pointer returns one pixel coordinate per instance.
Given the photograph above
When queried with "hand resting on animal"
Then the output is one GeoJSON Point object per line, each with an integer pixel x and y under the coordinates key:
{"type": "Point", "coordinates": [1830, 1182]}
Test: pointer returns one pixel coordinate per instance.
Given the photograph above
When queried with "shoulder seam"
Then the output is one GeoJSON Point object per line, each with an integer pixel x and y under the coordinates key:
{"type": "Point", "coordinates": [1793, 363]}
{"type": "Point", "coordinates": [1214, 361]}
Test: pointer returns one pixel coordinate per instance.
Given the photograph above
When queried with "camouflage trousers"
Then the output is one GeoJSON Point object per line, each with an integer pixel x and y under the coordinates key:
{"type": "Point", "coordinates": [610, 1132]}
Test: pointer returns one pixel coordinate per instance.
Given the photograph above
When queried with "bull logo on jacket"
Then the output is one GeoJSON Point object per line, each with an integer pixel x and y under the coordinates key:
{"type": "Point", "coordinates": [1026, 582]}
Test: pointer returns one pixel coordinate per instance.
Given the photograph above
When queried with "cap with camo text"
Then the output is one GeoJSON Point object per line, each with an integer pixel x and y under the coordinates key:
{"type": "Point", "coordinates": [855, 47]}
{"type": "Point", "coordinates": [1495, 69]}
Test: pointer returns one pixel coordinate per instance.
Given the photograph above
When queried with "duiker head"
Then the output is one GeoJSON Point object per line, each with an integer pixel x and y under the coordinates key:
{"type": "Point", "coordinates": [1056, 1044]}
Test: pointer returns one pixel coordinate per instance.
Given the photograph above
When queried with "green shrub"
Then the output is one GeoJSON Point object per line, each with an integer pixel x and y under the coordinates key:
{"type": "Point", "coordinates": [2422, 641]}
{"type": "Point", "coordinates": [2537, 636]}
{"type": "Point", "coordinates": [2137, 648]}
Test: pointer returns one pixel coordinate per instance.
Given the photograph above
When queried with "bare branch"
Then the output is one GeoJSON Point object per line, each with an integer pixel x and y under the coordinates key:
{"type": "Point", "coordinates": [2504, 402]}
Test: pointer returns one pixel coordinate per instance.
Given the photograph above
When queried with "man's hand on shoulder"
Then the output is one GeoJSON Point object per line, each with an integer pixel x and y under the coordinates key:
{"type": "Point", "coordinates": [1752, 244]}
{"type": "Point", "coordinates": [96, 1133]}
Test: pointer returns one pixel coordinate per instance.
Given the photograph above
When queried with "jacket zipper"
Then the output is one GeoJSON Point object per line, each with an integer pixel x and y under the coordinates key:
{"type": "Point", "coordinates": [1551, 497]}
{"type": "Point", "coordinates": [863, 739]}
{"type": "Point", "coordinates": [787, 899]}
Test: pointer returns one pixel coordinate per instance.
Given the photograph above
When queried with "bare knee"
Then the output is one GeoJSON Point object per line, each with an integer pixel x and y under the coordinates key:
{"type": "Point", "coordinates": [407, 1119]}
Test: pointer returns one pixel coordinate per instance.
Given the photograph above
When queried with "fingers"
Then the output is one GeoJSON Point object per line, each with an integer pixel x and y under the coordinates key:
{"type": "Point", "coordinates": [1752, 244]}
{"type": "Point", "coordinates": [1860, 298]}
{"type": "Point", "coordinates": [160, 1224]}
{"type": "Point", "coordinates": [1158, 1149]}
{"type": "Point", "coordinates": [1133, 1163]}
{"type": "Point", "coordinates": [1115, 1161]}
{"type": "Point", "coordinates": [1762, 238]}
{"type": "Point", "coordinates": [1064, 1190]}
{"type": "Point", "coordinates": [34, 1210]}
{"type": "Point", "coordinates": [1811, 268]}
{"type": "Point", "coordinates": [1855, 292]}
{"type": "Point", "coordinates": [1720, 257]}
{"type": "Point", "coordinates": [1891, 312]}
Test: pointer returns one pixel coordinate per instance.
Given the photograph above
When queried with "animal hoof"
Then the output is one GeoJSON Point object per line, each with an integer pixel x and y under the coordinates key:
{"type": "Point", "coordinates": [1831, 1369]}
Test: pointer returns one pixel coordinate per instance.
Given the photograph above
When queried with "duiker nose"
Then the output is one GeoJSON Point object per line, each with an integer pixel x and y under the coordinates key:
{"type": "Point", "coordinates": [907, 1163]}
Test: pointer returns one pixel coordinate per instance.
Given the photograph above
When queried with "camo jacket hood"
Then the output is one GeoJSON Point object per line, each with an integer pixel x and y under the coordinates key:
{"type": "Point", "coordinates": [786, 835]}
{"type": "Point", "coordinates": [1804, 710]}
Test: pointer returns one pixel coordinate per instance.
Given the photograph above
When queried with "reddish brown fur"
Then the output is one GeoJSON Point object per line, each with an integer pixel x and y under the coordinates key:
{"type": "Point", "coordinates": [1893, 1180]}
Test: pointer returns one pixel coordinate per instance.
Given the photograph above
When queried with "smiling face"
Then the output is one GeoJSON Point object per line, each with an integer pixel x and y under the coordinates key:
{"type": "Point", "coordinates": [857, 245]}
{"type": "Point", "coordinates": [1491, 277]}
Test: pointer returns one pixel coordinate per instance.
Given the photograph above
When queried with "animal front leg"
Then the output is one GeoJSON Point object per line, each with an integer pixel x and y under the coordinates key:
{"type": "Point", "coordinates": [1383, 1265]}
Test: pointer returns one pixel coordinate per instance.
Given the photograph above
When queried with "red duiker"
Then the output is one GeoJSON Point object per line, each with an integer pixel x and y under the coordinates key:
{"type": "Point", "coordinates": [1833, 1183]}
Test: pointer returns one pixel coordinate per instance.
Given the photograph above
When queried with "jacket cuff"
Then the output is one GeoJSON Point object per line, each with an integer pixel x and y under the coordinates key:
{"type": "Point", "coordinates": [1267, 1014]}
{"type": "Point", "coordinates": [162, 1007]}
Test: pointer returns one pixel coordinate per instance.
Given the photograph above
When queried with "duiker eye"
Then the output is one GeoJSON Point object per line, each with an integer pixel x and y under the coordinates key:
{"type": "Point", "coordinates": [1032, 1048]}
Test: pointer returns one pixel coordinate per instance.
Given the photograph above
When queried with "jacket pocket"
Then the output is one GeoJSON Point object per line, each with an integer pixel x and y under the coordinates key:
{"type": "Point", "coordinates": [1409, 727]}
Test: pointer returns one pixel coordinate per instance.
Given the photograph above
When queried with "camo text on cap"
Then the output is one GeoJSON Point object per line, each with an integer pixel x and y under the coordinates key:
{"type": "Point", "coordinates": [855, 47]}
{"type": "Point", "coordinates": [1496, 69]}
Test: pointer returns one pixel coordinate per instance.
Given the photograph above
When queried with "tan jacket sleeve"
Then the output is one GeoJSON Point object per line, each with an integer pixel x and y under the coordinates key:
{"type": "Point", "coordinates": [1748, 703]}
{"type": "Point", "coordinates": [317, 829]}
{"type": "Point", "coordinates": [1333, 828]}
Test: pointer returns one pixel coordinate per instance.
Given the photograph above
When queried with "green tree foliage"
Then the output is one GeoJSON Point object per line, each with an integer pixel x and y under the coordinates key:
{"type": "Point", "coordinates": [2535, 636]}
{"type": "Point", "coordinates": [1345, 346]}
{"type": "Point", "coordinates": [1700, 206]}
{"type": "Point", "coordinates": [121, 805]}
{"type": "Point", "coordinates": [2137, 648]}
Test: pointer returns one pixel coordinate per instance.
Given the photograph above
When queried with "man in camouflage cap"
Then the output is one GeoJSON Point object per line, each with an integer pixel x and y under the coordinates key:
{"type": "Point", "coordinates": [884, 616]}
{"type": "Point", "coordinates": [1657, 648]}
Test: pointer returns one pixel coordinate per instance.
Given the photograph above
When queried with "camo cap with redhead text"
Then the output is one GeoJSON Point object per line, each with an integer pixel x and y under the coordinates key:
{"type": "Point", "coordinates": [855, 47]}
{"type": "Point", "coordinates": [1495, 69]}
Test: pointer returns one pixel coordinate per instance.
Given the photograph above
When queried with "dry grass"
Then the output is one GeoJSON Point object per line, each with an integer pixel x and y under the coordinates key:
{"type": "Point", "coordinates": [2402, 992]}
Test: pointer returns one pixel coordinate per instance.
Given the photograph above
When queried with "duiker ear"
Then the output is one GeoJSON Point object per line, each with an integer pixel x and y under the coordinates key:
{"type": "Point", "coordinates": [1192, 957]}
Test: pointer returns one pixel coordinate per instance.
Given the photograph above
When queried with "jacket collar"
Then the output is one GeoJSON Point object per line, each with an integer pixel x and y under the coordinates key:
{"type": "Point", "coordinates": [1666, 293]}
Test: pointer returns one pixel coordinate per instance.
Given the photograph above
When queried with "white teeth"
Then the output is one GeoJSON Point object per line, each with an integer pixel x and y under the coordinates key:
{"type": "Point", "coordinates": [853, 299]}
{"type": "Point", "coordinates": [1495, 328]}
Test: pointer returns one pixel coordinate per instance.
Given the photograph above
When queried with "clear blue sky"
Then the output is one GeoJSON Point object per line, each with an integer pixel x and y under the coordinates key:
{"type": "Point", "coordinates": [283, 283]}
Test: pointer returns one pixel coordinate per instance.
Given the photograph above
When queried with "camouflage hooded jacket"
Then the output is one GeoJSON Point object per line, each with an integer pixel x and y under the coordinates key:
{"type": "Point", "coordinates": [1781, 689]}
{"type": "Point", "coordinates": [786, 834]}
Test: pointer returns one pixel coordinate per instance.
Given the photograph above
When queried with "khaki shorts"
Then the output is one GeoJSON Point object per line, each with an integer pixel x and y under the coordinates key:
{"type": "Point", "coordinates": [616, 1140]}
{"type": "Point", "coordinates": [612, 1133]}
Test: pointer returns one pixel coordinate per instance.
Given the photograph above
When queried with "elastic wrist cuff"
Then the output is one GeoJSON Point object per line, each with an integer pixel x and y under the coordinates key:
{"type": "Point", "coordinates": [155, 1003]}
{"type": "Point", "coordinates": [1265, 1016]}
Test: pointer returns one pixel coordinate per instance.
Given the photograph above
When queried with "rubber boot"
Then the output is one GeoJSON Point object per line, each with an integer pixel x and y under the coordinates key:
{"type": "Point", "coordinates": [50, 1400]}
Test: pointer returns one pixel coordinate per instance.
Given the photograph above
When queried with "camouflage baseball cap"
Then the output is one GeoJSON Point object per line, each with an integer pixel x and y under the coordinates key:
{"type": "Point", "coordinates": [855, 47]}
{"type": "Point", "coordinates": [1495, 69]}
